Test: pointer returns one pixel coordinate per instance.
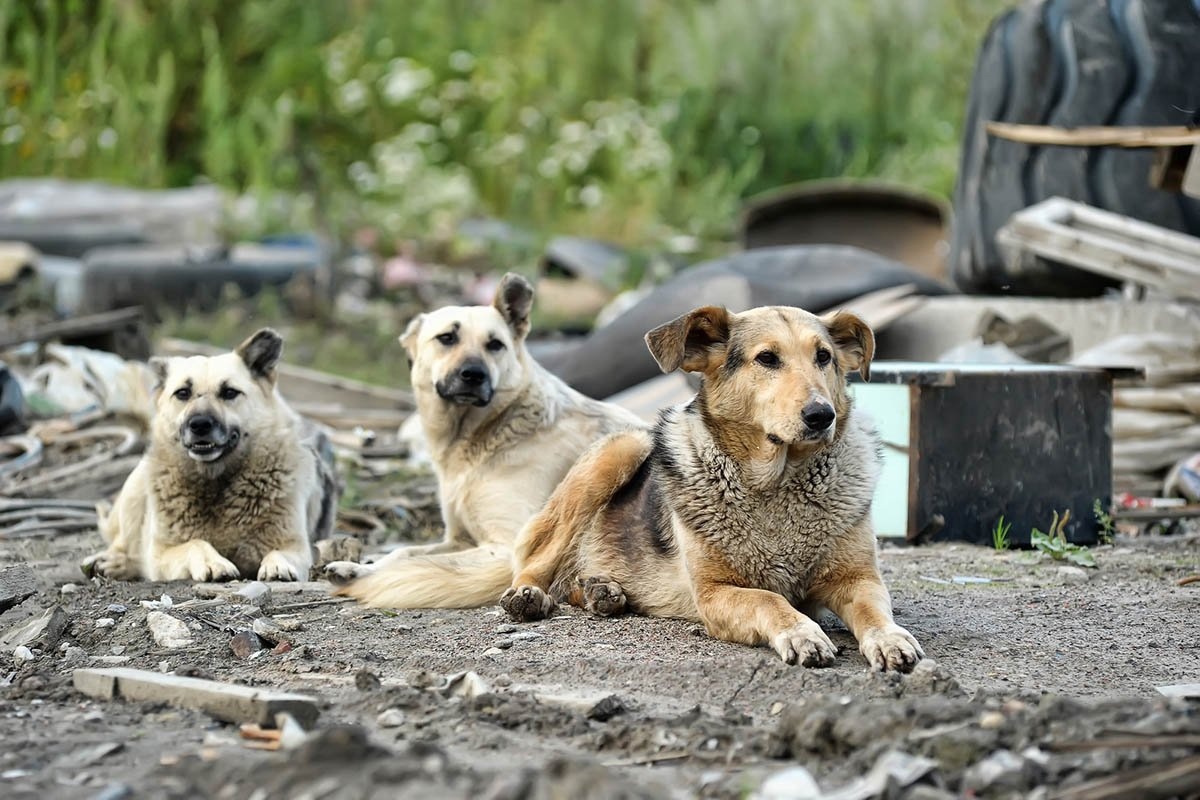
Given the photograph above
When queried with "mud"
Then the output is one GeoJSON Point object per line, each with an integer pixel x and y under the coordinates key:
{"type": "Point", "coordinates": [1019, 667]}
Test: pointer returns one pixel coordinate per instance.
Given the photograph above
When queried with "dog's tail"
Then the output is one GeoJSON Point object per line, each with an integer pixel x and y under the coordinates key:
{"type": "Point", "coordinates": [468, 579]}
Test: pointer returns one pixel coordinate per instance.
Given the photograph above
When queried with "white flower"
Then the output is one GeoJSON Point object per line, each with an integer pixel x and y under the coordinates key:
{"type": "Point", "coordinates": [574, 131]}
{"type": "Point", "coordinates": [549, 168]}
{"type": "Point", "coordinates": [107, 139]}
{"type": "Point", "coordinates": [529, 116]}
{"type": "Point", "coordinates": [352, 96]}
{"type": "Point", "coordinates": [451, 126]}
{"type": "Point", "coordinates": [590, 196]}
{"type": "Point", "coordinates": [404, 80]}
{"type": "Point", "coordinates": [461, 61]}
{"type": "Point", "coordinates": [12, 134]}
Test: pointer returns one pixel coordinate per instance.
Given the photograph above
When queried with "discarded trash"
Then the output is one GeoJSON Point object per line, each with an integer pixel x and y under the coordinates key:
{"type": "Point", "coordinates": [164, 601]}
{"type": "Point", "coordinates": [1183, 481]}
{"type": "Point", "coordinates": [23, 653]}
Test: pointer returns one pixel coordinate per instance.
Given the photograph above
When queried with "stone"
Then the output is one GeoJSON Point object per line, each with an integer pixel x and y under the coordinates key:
{"type": "Point", "coordinates": [224, 701]}
{"type": "Point", "coordinates": [492, 652]}
{"type": "Point", "coordinates": [525, 636]}
{"type": "Point", "coordinates": [18, 582]}
{"type": "Point", "coordinates": [43, 630]}
{"type": "Point", "coordinates": [392, 718]}
{"type": "Point", "coordinates": [116, 609]}
{"type": "Point", "coordinates": [167, 631]}
{"type": "Point", "coordinates": [105, 622]}
{"type": "Point", "coordinates": [69, 588]}
{"type": "Point", "coordinates": [794, 783]}
{"type": "Point", "coordinates": [255, 593]}
{"type": "Point", "coordinates": [269, 630]}
{"type": "Point", "coordinates": [1001, 772]}
{"type": "Point", "coordinates": [23, 653]}
{"type": "Point", "coordinates": [245, 644]}
{"type": "Point", "coordinates": [466, 684]}
{"type": "Point", "coordinates": [1069, 574]}
{"type": "Point", "coordinates": [600, 706]}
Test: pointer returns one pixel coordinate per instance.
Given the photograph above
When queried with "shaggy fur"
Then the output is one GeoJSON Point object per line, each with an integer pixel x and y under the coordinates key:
{"type": "Point", "coordinates": [502, 432]}
{"type": "Point", "coordinates": [227, 488]}
{"type": "Point", "coordinates": [740, 508]}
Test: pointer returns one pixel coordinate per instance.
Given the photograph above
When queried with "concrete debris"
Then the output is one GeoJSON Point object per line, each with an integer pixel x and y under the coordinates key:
{"type": "Point", "coordinates": [23, 653]}
{"type": "Point", "coordinates": [168, 631]}
{"type": "Point", "coordinates": [165, 601]}
{"type": "Point", "coordinates": [893, 770]}
{"type": "Point", "coordinates": [1002, 771]}
{"type": "Point", "coordinates": [17, 583]}
{"type": "Point", "coordinates": [105, 622]}
{"type": "Point", "coordinates": [43, 631]}
{"type": "Point", "coordinates": [223, 701]}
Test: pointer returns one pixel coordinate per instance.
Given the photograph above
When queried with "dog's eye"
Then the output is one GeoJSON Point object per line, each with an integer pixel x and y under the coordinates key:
{"type": "Point", "coordinates": [449, 338]}
{"type": "Point", "coordinates": [229, 393]}
{"type": "Point", "coordinates": [183, 395]}
{"type": "Point", "coordinates": [495, 345]}
{"type": "Point", "coordinates": [767, 359]}
{"type": "Point", "coordinates": [824, 357]}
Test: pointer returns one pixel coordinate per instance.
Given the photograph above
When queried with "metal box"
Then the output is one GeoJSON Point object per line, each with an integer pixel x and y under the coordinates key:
{"type": "Point", "coordinates": [965, 444]}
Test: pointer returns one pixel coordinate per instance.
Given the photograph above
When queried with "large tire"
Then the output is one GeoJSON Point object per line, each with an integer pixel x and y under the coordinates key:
{"type": "Point", "coordinates": [1069, 63]}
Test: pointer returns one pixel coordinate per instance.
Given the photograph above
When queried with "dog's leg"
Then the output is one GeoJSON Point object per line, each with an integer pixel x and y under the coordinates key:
{"type": "Point", "coordinates": [860, 600]}
{"type": "Point", "coordinates": [549, 536]}
{"type": "Point", "coordinates": [343, 572]}
{"type": "Point", "coordinates": [195, 560]}
{"type": "Point", "coordinates": [285, 565]}
{"type": "Point", "coordinates": [757, 616]}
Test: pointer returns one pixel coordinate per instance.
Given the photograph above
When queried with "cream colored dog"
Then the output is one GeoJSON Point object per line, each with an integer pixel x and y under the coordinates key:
{"type": "Point", "coordinates": [502, 432]}
{"type": "Point", "coordinates": [227, 487]}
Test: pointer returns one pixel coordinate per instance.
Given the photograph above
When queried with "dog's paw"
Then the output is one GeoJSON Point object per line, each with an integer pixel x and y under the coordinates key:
{"type": "Point", "coordinates": [275, 566]}
{"type": "Point", "coordinates": [891, 648]}
{"type": "Point", "coordinates": [603, 597]}
{"type": "Point", "coordinates": [340, 573]}
{"type": "Point", "coordinates": [806, 644]}
{"type": "Point", "coordinates": [214, 567]}
{"type": "Point", "coordinates": [108, 564]}
{"type": "Point", "coordinates": [527, 603]}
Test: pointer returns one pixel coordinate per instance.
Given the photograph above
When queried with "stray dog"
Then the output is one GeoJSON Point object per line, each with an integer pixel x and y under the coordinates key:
{"type": "Point", "coordinates": [502, 432]}
{"type": "Point", "coordinates": [227, 488]}
{"type": "Point", "coordinates": [745, 504]}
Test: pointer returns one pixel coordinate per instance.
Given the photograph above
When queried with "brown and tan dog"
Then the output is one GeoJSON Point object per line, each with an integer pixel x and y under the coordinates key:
{"type": "Point", "coordinates": [749, 502]}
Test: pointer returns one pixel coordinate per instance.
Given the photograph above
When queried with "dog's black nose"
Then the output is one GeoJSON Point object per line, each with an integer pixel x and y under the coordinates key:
{"type": "Point", "coordinates": [818, 416]}
{"type": "Point", "coordinates": [472, 374]}
{"type": "Point", "coordinates": [200, 425]}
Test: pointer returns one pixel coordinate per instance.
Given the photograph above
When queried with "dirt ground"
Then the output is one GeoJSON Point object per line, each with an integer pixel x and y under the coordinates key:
{"type": "Point", "coordinates": [1018, 667]}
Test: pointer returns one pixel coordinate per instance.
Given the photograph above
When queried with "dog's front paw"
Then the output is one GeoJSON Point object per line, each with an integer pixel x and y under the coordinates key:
{"type": "Point", "coordinates": [603, 597]}
{"type": "Point", "coordinates": [891, 648]}
{"type": "Point", "coordinates": [109, 564]}
{"type": "Point", "coordinates": [527, 603]}
{"type": "Point", "coordinates": [275, 566]}
{"type": "Point", "coordinates": [212, 567]}
{"type": "Point", "coordinates": [806, 644]}
{"type": "Point", "coordinates": [340, 573]}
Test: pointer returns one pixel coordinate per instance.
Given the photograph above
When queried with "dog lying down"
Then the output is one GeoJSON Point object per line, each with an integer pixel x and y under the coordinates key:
{"type": "Point", "coordinates": [742, 506]}
{"type": "Point", "coordinates": [501, 432]}
{"type": "Point", "coordinates": [227, 487]}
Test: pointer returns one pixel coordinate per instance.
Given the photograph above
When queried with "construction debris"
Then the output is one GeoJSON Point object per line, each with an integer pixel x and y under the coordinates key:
{"type": "Point", "coordinates": [224, 701]}
{"type": "Point", "coordinates": [17, 582]}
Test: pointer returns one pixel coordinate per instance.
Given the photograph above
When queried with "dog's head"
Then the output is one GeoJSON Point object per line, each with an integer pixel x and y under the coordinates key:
{"type": "Point", "coordinates": [210, 406]}
{"type": "Point", "coordinates": [469, 354]}
{"type": "Point", "coordinates": [775, 374]}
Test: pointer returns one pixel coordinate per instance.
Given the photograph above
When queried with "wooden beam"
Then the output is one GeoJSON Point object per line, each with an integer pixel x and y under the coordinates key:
{"type": "Point", "coordinates": [1097, 136]}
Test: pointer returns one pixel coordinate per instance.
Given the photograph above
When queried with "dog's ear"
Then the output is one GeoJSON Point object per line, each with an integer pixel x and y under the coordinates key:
{"type": "Point", "coordinates": [158, 368]}
{"type": "Point", "coordinates": [261, 353]}
{"type": "Point", "coordinates": [408, 339]}
{"type": "Point", "coordinates": [690, 342]}
{"type": "Point", "coordinates": [514, 299]}
{"type": "Point", "coordinates": [854, 340]}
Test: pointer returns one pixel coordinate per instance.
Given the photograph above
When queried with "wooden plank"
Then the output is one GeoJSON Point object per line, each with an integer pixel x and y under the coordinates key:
{"type": "Point", "coordinates": [223, 701]}
{"type": "Point", "coordinates": [1097, 135]}
{"type": "Point", "coordinates": [88, 325]}
{"type": "Point", "coordinates": [1107, 244]}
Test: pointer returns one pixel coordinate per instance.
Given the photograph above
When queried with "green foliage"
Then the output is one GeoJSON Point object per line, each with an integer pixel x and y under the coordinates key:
{"type": "Point", "coordinates": [631, 119]}
{"type": "Point", "coordinates": [1103, 519]}
{"type": "Point", "coordinates": [1055, 544]}
{"type": "Point", "coordinates": [1000, 534]}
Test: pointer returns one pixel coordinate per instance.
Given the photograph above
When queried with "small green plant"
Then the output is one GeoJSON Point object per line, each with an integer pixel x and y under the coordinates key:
{"type": "Point", "coordinates": [1105, 521]}
{"type": "Point", "coordinates": [1055, 543]}
{"type": "Point", "coordinates": [1000, 534]}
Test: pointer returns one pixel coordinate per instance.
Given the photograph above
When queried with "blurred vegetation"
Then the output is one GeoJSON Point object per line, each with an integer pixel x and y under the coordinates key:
{"type": "Point", "coordinates": [642, 121]}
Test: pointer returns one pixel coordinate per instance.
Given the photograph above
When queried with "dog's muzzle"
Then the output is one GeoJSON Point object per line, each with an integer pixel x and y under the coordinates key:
{"type": "Point", "coordinates": [470, 384]}
{"type": "Point", "coordinates": [206, 439]}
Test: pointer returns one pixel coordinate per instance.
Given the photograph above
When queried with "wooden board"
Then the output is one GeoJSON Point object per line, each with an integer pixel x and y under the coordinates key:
{"type": "Point", "coordinates": [1097, 135]}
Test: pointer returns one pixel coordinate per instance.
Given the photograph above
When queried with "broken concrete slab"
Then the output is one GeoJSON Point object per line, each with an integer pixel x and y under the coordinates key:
{"type": "Point", "coordinates": [17, 583]}
{"type": "Point", "coordinates": [168, 631]}
{"type": "Point", "coordinates": [42, 631]}
{"type": "Point", "coordinates": [224, 701]}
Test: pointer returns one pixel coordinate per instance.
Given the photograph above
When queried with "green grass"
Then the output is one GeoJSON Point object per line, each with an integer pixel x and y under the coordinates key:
{"type": "Point", "coordinates": [634, 120]}
{"type": "Point", "coordinates": [1000, 534]}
